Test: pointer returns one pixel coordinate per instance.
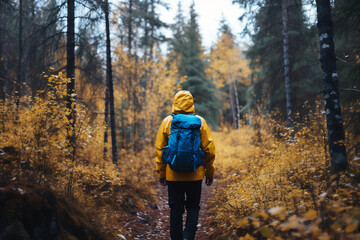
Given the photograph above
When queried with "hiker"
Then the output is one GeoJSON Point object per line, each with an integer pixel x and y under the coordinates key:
{"type": "Point", "coordinates": [180, 169]}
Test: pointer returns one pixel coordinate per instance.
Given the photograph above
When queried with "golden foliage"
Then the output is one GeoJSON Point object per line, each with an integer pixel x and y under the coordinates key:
{"type": "Point", "coordinates": [227, 63]}
{"type": "Point", "coordinates": [145, 93]}
{"type": "Point", "coordinates": [282, 189]}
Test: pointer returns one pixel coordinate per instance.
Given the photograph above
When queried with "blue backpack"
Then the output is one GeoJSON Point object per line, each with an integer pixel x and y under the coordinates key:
{"type": "Point", "coordinates": [183, 152]}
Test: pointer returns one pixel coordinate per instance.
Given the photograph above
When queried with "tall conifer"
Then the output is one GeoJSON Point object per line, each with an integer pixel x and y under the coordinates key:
{"type": "Point", "coordinates": [193, 66]}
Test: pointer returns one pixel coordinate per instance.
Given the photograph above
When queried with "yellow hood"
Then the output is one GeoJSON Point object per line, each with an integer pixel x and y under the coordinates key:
{"type": "Point", "coordinates": [183, 103]}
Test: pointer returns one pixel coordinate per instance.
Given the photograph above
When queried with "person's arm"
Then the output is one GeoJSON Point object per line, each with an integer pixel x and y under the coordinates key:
{"type": "Point", "coordinates": [208, 146]}
{"type": "Point", "coordinates": [162, 141]}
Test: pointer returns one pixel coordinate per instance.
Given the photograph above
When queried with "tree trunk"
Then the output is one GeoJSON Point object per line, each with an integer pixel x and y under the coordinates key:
{"type": "Point", "coordinates": [106, 120]}
{"type": "Point", "coordinates": [20, 62]}
{"type": "Point", "coordinates": [130, 27]}
{"type": "Point", "coordinates": [237, 113]}
{"type": "Point", "coordinates": [232, 107]}
{"type": "Point", "coordinates": [70, 71]}
{"type": "Point", "coordinates": [110, 86]}
{"type": "Point", "coordinates": [152, 29]}
{"type": "Point", "coordinates": [334, 122]}
{"type": "Point", "coordinates": [286, 64]}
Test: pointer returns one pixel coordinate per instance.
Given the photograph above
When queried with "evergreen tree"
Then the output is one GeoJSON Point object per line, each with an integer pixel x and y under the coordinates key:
{"type": "Point", "coordinates": [347, 35]}
{"type": "Point", "coordinates": [151, 24]}
{"type": "Point", "coordinates": [193, 66]}
{"type": "Point", "coordinates": [267, 55]}
{"type": "Point", "coordinates": [70, 71]}
{"type": "Point", "coordinates": [109, 84]}
{"type": "Point", "coordinates": [177, 42]}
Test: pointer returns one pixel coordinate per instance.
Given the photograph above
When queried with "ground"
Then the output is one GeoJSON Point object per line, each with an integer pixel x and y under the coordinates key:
{"type": "Point", "coordinates": [154, 222]}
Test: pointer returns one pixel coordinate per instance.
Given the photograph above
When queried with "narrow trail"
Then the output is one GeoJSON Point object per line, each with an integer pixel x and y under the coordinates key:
{"type": "Point", "coordinates": [154, 221]}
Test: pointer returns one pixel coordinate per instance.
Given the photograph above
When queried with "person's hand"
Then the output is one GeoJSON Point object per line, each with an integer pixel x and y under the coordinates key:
{"type": "Point", "coordinates": [163, 182]}
{"type": "Point", "coordinates": [209, 181]}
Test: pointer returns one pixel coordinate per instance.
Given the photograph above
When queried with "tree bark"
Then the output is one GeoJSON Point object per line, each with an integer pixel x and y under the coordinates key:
{"type": "Point", "coordinates": [286, 64]}
{"type": "Point", "coordinates": [336, 136]}
{"type": "Point", "coordinates": [106, 120]}
{"type": "Point", "coordinates": [130, 28]}
{"type": "Point", "coordinates": [110, 85]}
{"type": "Point", "coordinates": [232, 107]}
{"type": "Point", "coordinates": [237, 110]}
{"type": "Point", "coordinates": [20, 62]}
{"type": "Point", "coordinates": [70, 71]}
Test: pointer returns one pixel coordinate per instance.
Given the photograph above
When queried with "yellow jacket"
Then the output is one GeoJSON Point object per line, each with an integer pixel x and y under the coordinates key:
{"type": "Point", "coordinates": [184, 104]}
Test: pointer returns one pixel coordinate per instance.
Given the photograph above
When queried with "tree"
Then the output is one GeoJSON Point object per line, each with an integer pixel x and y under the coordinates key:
{"type": "Point", "coordinates": [286, 63]}
{"type": "Point", "coordinates": [193, 66]}
{"type": "Point", "coordinates": [228, 67]}
{"type": "Point", "coordinates": [266, 55]}
{"type": "Point", "coordinates": [177, 44]}
{"type": "Point", "coordinates": [110, 88]}
{"type": "Point", "coordinates": [151, 24]}
{"type": "Point", "coordinates": [20, 63]}
{"type": "Point", "coordinates": [347, 21]}
{"type": "Point", "coordinates": [70, 71]}
{"type": "Point", "coordinates": [336, 136]}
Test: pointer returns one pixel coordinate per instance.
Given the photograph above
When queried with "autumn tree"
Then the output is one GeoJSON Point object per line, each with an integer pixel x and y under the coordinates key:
{"type": "Point", "coordinates": [228, 66]}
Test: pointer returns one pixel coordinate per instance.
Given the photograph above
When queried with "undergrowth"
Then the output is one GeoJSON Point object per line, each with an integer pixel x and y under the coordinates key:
{"type": "Point", "coordinates": [271, 186]}
{"type": "Point", "coordinates": [34, 150]}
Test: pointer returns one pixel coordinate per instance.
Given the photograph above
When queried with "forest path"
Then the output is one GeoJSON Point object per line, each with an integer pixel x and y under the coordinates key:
{"type": "Point", "coordinates": [154, 221]}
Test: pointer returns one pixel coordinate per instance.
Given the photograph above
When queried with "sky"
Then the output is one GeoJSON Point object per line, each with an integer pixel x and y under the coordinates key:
{"type": "Point", "coordinates": [210, 12]}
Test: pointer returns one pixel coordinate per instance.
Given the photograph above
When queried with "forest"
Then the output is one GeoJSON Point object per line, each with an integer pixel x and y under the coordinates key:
{"type": "Point", "coordinates": [85, 85]}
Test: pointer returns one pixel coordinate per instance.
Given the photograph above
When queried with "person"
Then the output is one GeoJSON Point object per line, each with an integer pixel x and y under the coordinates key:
{"type": "Point", "coordinates": [184, 188]}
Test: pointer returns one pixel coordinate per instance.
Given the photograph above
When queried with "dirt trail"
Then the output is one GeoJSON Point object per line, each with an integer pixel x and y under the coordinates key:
{"type": "Point", "coordinates": [154, 222]}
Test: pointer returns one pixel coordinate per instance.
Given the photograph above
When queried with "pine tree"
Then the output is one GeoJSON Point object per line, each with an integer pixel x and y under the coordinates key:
{"type": "Point", "coordinates": [70, 71]}
{"type": "Point", "coordinates": [193, 66]}
{"type": "Point", "coordinates": [267, 56]}
{"type": "Point", "coordinates": [109, 82]}
{"type": "Point", "coordinates": [177, 42]}
{"type": "Point", "coordinates": [347, 35]}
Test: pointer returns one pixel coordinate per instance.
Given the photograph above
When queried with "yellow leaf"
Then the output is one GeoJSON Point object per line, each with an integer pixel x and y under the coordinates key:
{"type": "Point", "coordinates": [242, 222]}
{"type": "Point", "coordinates": [350, 228]}
{"type": "Point", "coordinates": [256, 223]}
{"type": "Point", "coordinates": [311, 214]}
{"type": "Point", "coordinates": [316, 231]}
{"type": "Point", "coordinates": [266, 232]}
{"type": "Point", "coordinates": [247, 237]}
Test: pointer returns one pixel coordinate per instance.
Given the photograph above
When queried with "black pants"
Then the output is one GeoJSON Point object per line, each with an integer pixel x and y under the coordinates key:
{"type": "Point", "coordinates": [184, 195]}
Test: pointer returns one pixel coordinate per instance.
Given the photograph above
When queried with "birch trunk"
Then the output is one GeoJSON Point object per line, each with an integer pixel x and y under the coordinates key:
{"type": "Point", "coordinates": [231, 100]}
{"type": "Point", "coordinates": [237, 113]}
{"type": "Point", "coordinates": [286, 64]}
{"type": "Point", "coordinates": [336, 136]}
{"type": "Point", "coordinates": [106, 120]}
